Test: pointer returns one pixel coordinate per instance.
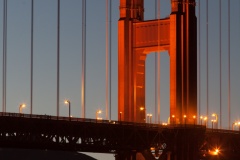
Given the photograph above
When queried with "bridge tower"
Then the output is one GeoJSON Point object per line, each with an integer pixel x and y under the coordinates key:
{"type": "Point", "coordinates": [176, 34]}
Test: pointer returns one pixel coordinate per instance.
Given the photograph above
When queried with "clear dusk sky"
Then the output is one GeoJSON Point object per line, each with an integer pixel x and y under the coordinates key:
{"type": "Point", "coordinates": [45, 58]}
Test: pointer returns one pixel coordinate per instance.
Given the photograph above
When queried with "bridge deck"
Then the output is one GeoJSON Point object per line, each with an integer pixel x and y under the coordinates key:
{"type": "Point", "coordinates": [104, 136]}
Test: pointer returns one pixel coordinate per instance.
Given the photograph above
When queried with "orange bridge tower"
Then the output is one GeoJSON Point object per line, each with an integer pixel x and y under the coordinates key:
{"type": "Point", "coordinates": [176, 34]}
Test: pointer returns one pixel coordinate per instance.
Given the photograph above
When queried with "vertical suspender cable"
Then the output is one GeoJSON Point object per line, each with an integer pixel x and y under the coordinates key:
{"type": "Point", "coordinates": [31, 67]}
{"type": "Point", "coordinates": [3, 81]}
{"type": "Point", "coordinates": [110, 48]}
{"type": "Point", "coordinates": [156, 110]}
{"type": "Point", "coordinates": [58, 53]}
{"type": "Point", "coordinates": [229, 69]}
{"type": "Point", "coordinates": [3, 56]}
{"type": "Point", "coordinates": [187, 50]}
{"type": "Point", "coordinates": [5, 72]}
{"type": "Point", "coordinates": [158, 64]}
{"type": "Point", "coordinates": [83, 57]}
{"type": "Point", "coordinates": [199, 59]}
{"type": "Point", "coordinates": [207, 51]}
{"type": "Point", "coordinates": [220, 61]}
{"type": "Point", "coordinates": [5, 60]}
{"type": "Point", "coordinates": [106, 59]}
{"type": "Point", "coordinates": [182, 68]}
{"type": "Point", "coordinates": [4, 53]}
{"type": "Point", "coordinates": [157, 67]}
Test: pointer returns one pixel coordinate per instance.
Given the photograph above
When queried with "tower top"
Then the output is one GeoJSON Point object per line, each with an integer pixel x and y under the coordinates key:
{"type": "Point", "coordinates": [131, 9]}
{"type": "Point", "coordinates": [181, 5]}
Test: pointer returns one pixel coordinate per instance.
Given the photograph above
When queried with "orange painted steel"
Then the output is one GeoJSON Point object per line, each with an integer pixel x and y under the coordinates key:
{"type": "Point", "coordinates": [137, 38]}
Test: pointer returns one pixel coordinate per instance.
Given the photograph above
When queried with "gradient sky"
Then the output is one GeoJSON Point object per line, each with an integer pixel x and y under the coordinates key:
{"type": "Point", "coordinates": [45, 58]}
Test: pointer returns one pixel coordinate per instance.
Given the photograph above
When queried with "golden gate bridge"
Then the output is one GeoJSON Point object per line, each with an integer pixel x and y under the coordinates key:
{"type": "Point", "coordinates": [145, 135]}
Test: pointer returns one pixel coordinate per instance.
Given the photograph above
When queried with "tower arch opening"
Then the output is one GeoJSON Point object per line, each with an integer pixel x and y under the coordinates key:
{"type": "Point", "coordinates": [152, 96]}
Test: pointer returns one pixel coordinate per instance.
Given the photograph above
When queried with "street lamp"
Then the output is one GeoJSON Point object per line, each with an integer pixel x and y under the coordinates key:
{"type": "Point", "coordinates": [201, 117]}
{"type": "Point", "coordinates": [173, 119]}
{"type": "Point", "coordinates": [120, 115]}
{"type": "Point", "coordinates": [143, 113]}
{"type": "Point", "coordinates": [69, 107]}
{"type": "Point", "coordinates": [234, 124]}
{"type": "Point", "coordinates": [150, 118]}
{"type": "Point", "coordinates": [184, 116]}
{"type": "Point", "coordinates": [216, 118]}
{"type": "Point", "coordinates": [98, 112]}
{"type": "Point", "coordinates": [205, 121]}
{"type": "Point", "coordinates": [148, 115]}
{"type": "Point", "coordinates": [21, 106]}
{"type": "Point", "coordinates": [194, 119]}
{"type": "Point", "coordinates": [212, 123]}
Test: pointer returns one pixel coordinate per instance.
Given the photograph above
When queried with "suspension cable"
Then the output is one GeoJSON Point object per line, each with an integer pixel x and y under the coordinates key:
{"type": "Point", "coordinates": [83, 98]}
{"type": "Point", "coordinates": [3, 67]}
{"type": "Point", "coordinates": [199, 60]}
{"type": "Point", "coordinates": [229, 69]}
{"type": "Point", "coordinates": [207, 52]}
{"type": "Point", "coordinates": [220, 61]}
{"type": "Point", "coordinates": [107, 60]}
{"type": "Point", "coordinates": [31, 65]}
{"type": "Point", "coordinates": [155, 56]}
{"type": "Point", "coordinates": [4, 54]}
{"type": "Point", "coordinates": [110, 48]}
{"type": "Point", "coordinates": [158, 64]}
{"type": "Point", "coordinates": [58, 54]}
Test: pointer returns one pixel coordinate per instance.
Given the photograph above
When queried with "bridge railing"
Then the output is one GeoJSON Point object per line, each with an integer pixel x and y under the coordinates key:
{"type": "Point", "coordinates": [75, 119]}
{"type": "Point", "coordinates": [211, 130]}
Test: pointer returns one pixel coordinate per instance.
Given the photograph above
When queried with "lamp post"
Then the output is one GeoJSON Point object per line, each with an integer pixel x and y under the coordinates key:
{"type": "Point", "coordinates": [201, 117]}
{"type": "Point", "coordinates": [212, 123]}
{"type": "Point", "coordinates": [148, 115]}
{"type": "Point", "coordinates": [205, 121]}
{"type": "Point", "coordinates": [216, 119]}
{"type": "Point", "coordinates": [150, 118]}
{"type": "Point", "coordinates": [233, 124]}
{"type": "Point", "coordinates": [142, 110]}
{"type": "Point", "coordinates": [21, 106]}
{"type": "Point", "coordinates": [194, 119]}
{"type": "Point", "coordinates": [120, 116]}
{"type": "Point", "coordinates": [184, 116]}
{"type": "Point", "coordinates": [239, 125]}
{"type": "Point", "coordinates": [98, 112]}
{"type": "Point", "coordinates": [173, 119]}
{"type": "Point", "coordinates": [69, 107]}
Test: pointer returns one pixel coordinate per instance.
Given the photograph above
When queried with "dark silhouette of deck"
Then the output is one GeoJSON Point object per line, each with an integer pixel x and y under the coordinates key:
{"type": "Point", "coordinates": [121, 138]}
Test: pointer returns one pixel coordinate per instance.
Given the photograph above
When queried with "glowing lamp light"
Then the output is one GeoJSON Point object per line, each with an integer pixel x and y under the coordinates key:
{"type": "Point", "coordinates": [21, 106]}
{"type": "Point", "coordinates": [214, 152]}
{"type": "Point", "coordinates": [98, 112]}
